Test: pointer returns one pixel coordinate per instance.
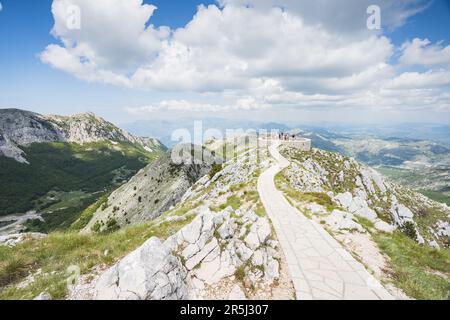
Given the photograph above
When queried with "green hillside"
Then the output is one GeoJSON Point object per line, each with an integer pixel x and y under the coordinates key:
{"type": "Point", "coordinates": [58, 168]}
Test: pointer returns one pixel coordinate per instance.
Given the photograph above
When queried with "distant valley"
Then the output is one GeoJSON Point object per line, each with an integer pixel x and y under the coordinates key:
{"type": "Point", "coordinates": [418, 158]}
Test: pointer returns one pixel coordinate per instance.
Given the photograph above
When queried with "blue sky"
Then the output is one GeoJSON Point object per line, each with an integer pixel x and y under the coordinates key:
{"type": "Point", "coordinates": [25, 82]}
{"type": "Point", "coordinates": [29, 82]}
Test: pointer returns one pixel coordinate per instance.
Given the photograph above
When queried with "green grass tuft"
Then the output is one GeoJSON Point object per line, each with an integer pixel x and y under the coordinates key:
{"type": "Point", "coordinates": [421, 272]}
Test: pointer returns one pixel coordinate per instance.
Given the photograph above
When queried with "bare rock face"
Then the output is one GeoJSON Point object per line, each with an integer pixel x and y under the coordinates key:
{"type": "Point", "coordinates": [361, 192]}
{"type": "Point", "coordinates": [152, 191]}
{"type": "Point", "coordinates": [17, 238]}
{"type": "Point", "coordinates": [21, 128]}
{"type": "Point", "coordinates": [193, 258]}
{"type": "Point", "coordinates": [149, 273]}
{"type": "Point", "coordinates": [356, 205]}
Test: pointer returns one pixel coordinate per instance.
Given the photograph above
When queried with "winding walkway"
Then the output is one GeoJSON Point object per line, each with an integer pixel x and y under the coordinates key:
{"type": "Point", "coordinates": [319, 267]}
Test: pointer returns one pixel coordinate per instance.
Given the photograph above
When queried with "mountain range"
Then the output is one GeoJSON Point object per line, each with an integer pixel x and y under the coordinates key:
{"type": "Point", "coordinates": [415, 155]}
{"type": "Point", "coordinates": [138, 225]}
{"type": "Point", "coordinates": [58, 164]}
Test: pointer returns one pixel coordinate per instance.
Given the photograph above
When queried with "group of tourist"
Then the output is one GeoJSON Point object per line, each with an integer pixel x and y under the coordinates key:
{"type": "Point", "coordinates": [286, 136]}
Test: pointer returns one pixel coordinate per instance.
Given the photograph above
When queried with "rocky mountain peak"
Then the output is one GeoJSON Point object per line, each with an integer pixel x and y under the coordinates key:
{"type": "Point", "coordinates": [20, 128]}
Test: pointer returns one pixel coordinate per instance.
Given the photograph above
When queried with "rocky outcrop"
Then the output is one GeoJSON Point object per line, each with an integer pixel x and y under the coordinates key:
{"type": "Point", "coordinates": [152, 191]}
{"type": "Point", "coordinates": [358, 191]}
{"type": "Point", "coordinates": [20, 128]}
{"type": "Point", "coordinates": [204, 252]}
{"type": "Point", "coordinates": [12, 240]}
{"type": "Point", "coordinates": [356, 205]}
{"type": "Point", "coordinates": [149, 273]}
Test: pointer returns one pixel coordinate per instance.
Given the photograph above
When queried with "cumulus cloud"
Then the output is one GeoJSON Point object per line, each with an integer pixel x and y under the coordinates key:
{"type": "Point", "coordinates": [213, 54]}
{"type": "Point", "coordinates": [246, 103]}
{"type": "Point", "coordinates": [423, 52]}
{"type": "Point", "coordinates": [416, 80]}
{"type": "Point", "coordinates": [65, 59]}
{"type": "Point", "coordinates": [113, 38]}
{"type": "Point", "coordinates": [252, 54]}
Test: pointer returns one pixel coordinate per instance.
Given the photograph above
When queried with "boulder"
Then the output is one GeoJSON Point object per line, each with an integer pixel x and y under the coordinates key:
{"type": "Point", "coordinates": [149, 273]}
{"type": "Point", "coordinates": [263, 230]}
{"type": "Point", "coordinates": [43, 296]}
{"type": "Point", "coordinates": [433, 244]}
{"type": "Point", "coordinates": [237, 294]}
{"type": "Point", "coordinates": [227, 229]}
{"type": "Point", "coordinates": [443, 229]}
{"type": "Point", "coordinates": [13, 240]}
{"type": "Point", "coordinates": [259, 258]}
{"type": "Point", "coordinates": [271, 270]}
{"type": "Point", "coordinates": [252, 239]}
{"type": "Point", "coordinates": [356, 205]}
{"type": "Point", "coordinates": [344, 199]}
{"type": "Point", "coordinates": [196, 259]}
{"type": "Point", "coordinates": [404, 212]}
{"type": "Point", "coordinates": [243, 251]}
{"type": "Point", "coordinates": [342, 220]}
{"type": "Point", "coordinates": [367, 213]}
{"type": "Point", "coordinates": [315, 208]}
{"type": "Point", "coordinates": [216, 266]}
{"type": "Point", "coordinates": [383, 226]}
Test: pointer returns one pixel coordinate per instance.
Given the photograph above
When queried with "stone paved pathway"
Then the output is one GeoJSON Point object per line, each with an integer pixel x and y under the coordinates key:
{"type": "Point", "coordinates": [319, 267]}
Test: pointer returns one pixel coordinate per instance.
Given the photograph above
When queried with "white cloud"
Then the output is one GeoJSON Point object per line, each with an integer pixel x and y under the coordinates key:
{"type": "Point", "coordinates": [284, 54]}
{"type": "Point", "coordinates": [63, 59]}
{"type": "Point", "coordinates": [212, 53]}
{"type": "Point", "coordinates": [113, 35]}
{"type": "Point", "coordinates": [245, 104]}
{"type": "Point", "coordinates": [423, 52]}
{"type": "Point", "coordinates": [416, 80]}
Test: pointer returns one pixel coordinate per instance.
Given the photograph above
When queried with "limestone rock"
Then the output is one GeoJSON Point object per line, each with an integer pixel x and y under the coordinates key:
{"type": "Point", "coordinates": [404, 212]}
{"type": "Point", "coordinates": [341, 220]}
{"type": "Point", "coordinates": [315, 208]}
{"type": "Point", "coordinates": [384, 226]}
{"type": "Point", "coordinates": [443, 229]}
{"type": "Point", "coordinates": [43, 296]}
{"type": "Point", "coordinates": [196, 259]}
{"type": "Point", "coordinates": [149, 273]}
{"type": "Point", "coordinates": [433, 244]}
{"type": "Point", "coordinates": [259, 258]}
{"type": "Point", "coordinates": [271, 270]}
{"type": "Point", "coordinates": [252, 239]}
{"type": "Point", "coordinates": [14, 239]}
{"type": "Point", "coordinates": [356, 205]}
{"type": "Point", "coordinates": [263, 230]}
{"type": "Point", "coordinates": [216, 266]}
{"type": "Point", "coordinates": [227, 230]}
{"type": "Point", "coordinates": [237, 294]}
